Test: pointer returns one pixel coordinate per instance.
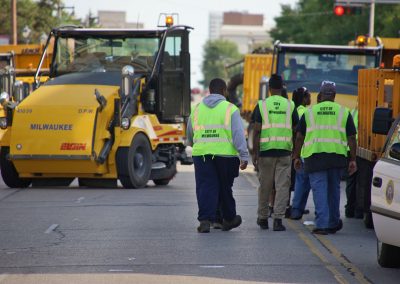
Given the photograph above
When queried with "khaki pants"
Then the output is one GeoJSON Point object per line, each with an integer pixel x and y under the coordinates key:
{"type": "Point", "coordinates": [278, 170]}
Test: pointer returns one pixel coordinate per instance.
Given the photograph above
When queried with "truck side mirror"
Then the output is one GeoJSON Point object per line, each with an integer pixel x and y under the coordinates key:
{"type": "Point", "coordinates": [382, 120]}
{"type": "Point", "coordinates": [394, 151]}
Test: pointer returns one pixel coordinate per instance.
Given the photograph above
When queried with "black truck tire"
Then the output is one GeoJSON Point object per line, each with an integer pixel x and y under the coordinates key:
{"type": "Point", "coordinates": [388, 255]}
{"type": "Point", "coordinates": [9, 173]}
{"type": "Point", "coordinates": [134, 163]}
{"type": "Point", "coordinates": [169, 173]}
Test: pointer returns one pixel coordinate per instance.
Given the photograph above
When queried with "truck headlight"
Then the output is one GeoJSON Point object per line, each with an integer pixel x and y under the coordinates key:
{"type": "Point", "coordinates": [3, 122]}
{"type": "Point", "coordinates": [4, 98]}
{"type": "Point", "coordinates": [125, 123]}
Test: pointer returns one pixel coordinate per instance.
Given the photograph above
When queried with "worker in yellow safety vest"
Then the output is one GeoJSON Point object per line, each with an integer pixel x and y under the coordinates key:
{"type": "Point", "coordinates": [301, 98]}
{"type": "Point", "coordinates": [324, 132]}
{"type": "Point", "coordinates": [215, 130]}
{"type": "Point", "coordinates": [275, 119]}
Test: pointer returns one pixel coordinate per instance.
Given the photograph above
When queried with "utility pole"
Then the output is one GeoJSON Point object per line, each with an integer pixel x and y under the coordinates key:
{"type": "Point", "coordinates": [14, 38]}
{"type": "Point", "coordinates": [372, 19]}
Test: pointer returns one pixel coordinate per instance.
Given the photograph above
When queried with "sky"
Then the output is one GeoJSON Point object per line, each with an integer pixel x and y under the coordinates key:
{"type": "Point", "coordinates": [192, 13]}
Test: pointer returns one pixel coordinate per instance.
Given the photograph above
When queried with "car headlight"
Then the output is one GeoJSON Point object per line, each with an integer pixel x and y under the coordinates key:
{"type": "Point", "coordinates": [125, 123]}
{"type": "Point", "coordinates": [3, 122]}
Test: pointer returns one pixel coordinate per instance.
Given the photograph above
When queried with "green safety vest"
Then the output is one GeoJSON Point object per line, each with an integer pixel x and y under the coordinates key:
{"type": "Point", "coordinates": [326, 129]}
{"type": "Point", "coordinates": [212, 131]}
{"type": "Point", "coordinates": [300, 110]}
{"type": "Point", "coordinates": [276, 132]}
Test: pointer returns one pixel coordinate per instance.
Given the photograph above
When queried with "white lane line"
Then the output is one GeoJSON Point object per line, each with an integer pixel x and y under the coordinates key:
{"type": "Point", "coordinates": [212, 266]}
{"type": "Point", "coordinates": [120, 270]}
{"type": "Point", "coordinates": [51, 228]}
{"type": "Point", "coordinates": [80, 199]}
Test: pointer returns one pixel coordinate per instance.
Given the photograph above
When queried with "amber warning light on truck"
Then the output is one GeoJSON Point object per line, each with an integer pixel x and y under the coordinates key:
{"type": "Point", "coordinates": [169, 21]}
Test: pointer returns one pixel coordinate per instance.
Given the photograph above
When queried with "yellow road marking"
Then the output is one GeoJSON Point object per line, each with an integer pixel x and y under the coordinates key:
{"type": "Point", "coordinates": [338, 276]}
{"type": "Point", "coordinates": [343, 260]}
{"type": "Point", "coordinates": [350, 267]}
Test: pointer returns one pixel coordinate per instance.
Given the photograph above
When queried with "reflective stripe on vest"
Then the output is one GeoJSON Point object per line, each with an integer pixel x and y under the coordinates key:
{"type": "Point", "coordinates": [326, 132]}
{"type": "Point", "coordinates": [276, 130]}
{"type": "Point", "coordinates": [212, 132]}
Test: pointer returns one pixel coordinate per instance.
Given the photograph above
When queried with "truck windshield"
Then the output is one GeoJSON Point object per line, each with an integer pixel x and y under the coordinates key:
{"type": "Point", "coordinates": [306, 68]}
{"type": "Point", "coordinates": [104, 54]}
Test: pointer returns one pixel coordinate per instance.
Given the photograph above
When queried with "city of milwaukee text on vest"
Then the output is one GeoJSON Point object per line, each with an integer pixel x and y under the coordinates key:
{"type": "Point", "coordinates": [326, 111]}
{"type": "Point", "coordinates": [210, 134]}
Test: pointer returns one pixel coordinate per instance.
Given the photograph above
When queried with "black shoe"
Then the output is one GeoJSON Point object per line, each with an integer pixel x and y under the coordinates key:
{"type": "Point", "coordinates": [295, 214]}
{"type": "Point", "coordinates": [204, 227]}
{"type": "Point", "coordinates": [306, 211]}
{"type": "Point", "coordinates": [320, 231]}
{"type": "Point", "coordinates": [263, 223]}
{"type": "Point", "coordinates": [295, 217]}
{"type": "Point", "coordinates": [338, 227]}
{"type": "Point", "coordinates": [234, 223]}
{"type": "Point", "coordinates": [278, 225]}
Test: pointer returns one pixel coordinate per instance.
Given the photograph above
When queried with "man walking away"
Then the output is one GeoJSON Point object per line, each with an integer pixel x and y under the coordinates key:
{"type": "Point", "coordinates": [275, 118]}
{"type": "Point", "coordinates": [215, 130]}
{"type": "Point", "coordinates": [326, 130]}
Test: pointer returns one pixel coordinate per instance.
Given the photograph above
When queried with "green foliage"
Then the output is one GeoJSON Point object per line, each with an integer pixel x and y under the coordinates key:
{"type": "Point", "coordinates": [313, 21]}
{"type": "Point", "coordinates": [217, 54]}
{"type": "Point", "coordinates": [40, 16]}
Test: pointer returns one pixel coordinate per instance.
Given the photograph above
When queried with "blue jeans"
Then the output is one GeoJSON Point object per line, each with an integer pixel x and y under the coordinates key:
{"type": "Point", "coordinates": [326, 193]}
{"type": "Point", "coordinates": [300, 196]}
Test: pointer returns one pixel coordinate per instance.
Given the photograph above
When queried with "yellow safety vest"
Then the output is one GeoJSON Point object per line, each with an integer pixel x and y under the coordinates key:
{"type": "Point", "coordinates": [276, 132]}
{"type": "Point", "coordinates": [326, 129]}
{"type": "Point", "coordinates": [212, 130]}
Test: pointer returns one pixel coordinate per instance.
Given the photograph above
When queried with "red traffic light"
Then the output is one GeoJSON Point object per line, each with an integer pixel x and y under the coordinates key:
{"type": "Point", "coordinates": [339, 10]}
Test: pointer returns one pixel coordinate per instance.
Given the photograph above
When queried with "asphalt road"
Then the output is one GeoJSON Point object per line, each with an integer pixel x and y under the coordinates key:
{"type": "Point", "coordinates": [73, 235]}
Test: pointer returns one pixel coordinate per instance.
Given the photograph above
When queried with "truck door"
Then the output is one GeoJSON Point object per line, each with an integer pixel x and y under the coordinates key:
{"type": "Point", "coordinates": [173, 103]}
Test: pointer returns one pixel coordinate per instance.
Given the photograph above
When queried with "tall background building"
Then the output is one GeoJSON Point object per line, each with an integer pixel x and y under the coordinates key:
{"type": "Point", "coordinates": [246, 30]}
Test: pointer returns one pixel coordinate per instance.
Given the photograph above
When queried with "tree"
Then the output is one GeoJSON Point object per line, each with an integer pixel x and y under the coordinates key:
{"type": "Point", "coordinates": [217, 54]}
{"type": "Point", "coordinates": [313, 21]}
{"type": "Point", "coordinates": [40, 16]}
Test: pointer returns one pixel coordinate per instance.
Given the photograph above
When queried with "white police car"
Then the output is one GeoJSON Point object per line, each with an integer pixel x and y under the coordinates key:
{"type": "Point", "coordinates": [385, 200]}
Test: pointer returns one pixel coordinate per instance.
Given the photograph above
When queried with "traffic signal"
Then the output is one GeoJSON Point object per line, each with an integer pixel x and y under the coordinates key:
{"type": "Point", "coordinates": [340, 10]}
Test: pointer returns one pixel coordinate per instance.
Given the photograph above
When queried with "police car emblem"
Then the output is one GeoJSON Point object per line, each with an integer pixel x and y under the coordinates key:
{"type": "Point", "coordinates": [389, 192]}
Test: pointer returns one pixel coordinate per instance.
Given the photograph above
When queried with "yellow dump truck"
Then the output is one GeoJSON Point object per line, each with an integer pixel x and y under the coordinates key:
{"type": "Point", "coordinates": [114, 108]}
{"type": "Point", "coordinates": [26, 58]}
{"type": "Point", "coordinates": [377, 89]}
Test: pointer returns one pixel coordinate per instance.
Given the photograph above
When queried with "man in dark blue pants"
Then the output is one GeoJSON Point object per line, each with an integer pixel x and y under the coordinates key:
{"type": "Point", "coordinates": [216, 132]}
{"type": "Point", "coordinates": [217, 175]}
